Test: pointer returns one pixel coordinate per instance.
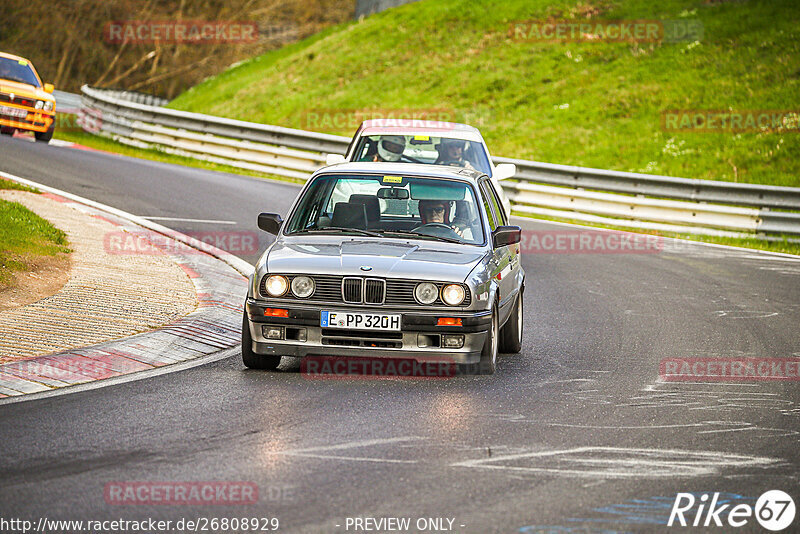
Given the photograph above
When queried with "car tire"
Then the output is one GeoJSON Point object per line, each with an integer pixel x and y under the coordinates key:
{"type": "Point", "coordinates": [511, 334]}
{"type": "Point", "coordinates": [44, 137]}
{"type": "Point", "coordinates": [250, 358]}
{"type": "Point", "coordinates": [5, 130]}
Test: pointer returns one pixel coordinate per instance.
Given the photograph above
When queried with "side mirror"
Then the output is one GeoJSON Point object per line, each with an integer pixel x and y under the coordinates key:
{"type": "Point", "coordinates": [506, 235]}
{"type": "Point", "coordinates": [48, 88]}
{"type": "Point", "coordinates": [505, 170]}
{"type": "Point", "coordinates": [270, 222]}
{"type": "Point", "coordinates": [333, 159]}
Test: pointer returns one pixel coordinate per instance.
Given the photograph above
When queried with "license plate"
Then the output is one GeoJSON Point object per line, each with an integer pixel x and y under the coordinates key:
{"type": "Point", "coordinates": [13, 112]}
{"type": "Point", "coordinates": [359, 321]}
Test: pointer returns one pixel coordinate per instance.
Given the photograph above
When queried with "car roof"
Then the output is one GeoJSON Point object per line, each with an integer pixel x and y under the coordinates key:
{"type": "Point", "coordinates": [420, 127]}
{"type": "Point", "coordinates": [405, 169]}
{"type": "Point", "coordinates": [12, 56]}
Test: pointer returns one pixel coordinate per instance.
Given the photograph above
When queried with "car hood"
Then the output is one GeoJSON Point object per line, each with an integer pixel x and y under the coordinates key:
{"type": "Point", "coordinates": [24, 89]}
{"type": "Point", "coordinates": [390, 258]}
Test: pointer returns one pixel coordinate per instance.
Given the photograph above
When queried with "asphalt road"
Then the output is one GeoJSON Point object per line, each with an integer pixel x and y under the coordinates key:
{"type": "Point", "coordinates": [575, 434]}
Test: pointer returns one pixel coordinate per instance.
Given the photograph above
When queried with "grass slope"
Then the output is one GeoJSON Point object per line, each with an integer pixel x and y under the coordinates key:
{"type": "Point", "coordinates": [595, 104]}
{"type": "Point", "coordinates": [24, 237]}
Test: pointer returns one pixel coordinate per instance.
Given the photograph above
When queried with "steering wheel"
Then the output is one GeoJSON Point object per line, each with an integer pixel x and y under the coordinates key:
{"type": "Point", "coordinates": [437, 229]}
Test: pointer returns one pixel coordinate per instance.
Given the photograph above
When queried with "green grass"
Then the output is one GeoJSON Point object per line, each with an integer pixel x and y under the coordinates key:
{"type": "Point", "coordinates": [109, 145]}
{"type": "Point", "coordinates": [24, 237]}
{"type": "Point", "coordinates": [591, 104]}
{"type": "Point", "coordinates": [9, 184]}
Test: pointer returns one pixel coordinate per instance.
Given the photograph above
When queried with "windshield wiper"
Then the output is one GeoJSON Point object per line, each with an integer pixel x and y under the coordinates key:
{"type": "Point", "coordinates": [415, 235]}
{"type": "Point", "coordinates": [338, 229]}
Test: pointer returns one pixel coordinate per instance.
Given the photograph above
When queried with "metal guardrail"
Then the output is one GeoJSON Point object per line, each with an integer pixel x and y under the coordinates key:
{"type": "Point", "coordinates": [67, 102]}
{"type": "Point", "coordinates": [612, 197]}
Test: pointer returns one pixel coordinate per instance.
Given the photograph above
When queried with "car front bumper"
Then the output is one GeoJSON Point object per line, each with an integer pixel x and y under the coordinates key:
{"type": "Point", "coordinates": [419, 338]}
{"type": "Point", "coordinates": [36, 121]}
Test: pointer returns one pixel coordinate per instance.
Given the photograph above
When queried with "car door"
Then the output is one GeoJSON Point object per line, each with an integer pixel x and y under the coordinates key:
{"type": "Point", "coordinates": [501, 266]}
{"type": "Point", "coordinates": [513, 276]}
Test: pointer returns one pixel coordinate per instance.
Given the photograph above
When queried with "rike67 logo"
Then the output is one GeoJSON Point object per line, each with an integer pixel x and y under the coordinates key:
{"type": "Point", "coordinates": [774, 510]}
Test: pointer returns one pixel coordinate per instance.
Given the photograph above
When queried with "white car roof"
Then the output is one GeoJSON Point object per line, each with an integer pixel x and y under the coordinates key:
{"type": "Point", "coordinates": [451, 130]}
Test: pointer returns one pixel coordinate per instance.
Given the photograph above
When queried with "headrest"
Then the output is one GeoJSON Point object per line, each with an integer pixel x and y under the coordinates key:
{"type": "Point", "coordinates": [349, 215]}
{"type": "Point", "coordinates": [371, 206]}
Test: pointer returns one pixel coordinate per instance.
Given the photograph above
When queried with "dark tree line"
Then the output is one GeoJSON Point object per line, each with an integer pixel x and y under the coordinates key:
{"type": "Point", "coordinates": [66, 40]}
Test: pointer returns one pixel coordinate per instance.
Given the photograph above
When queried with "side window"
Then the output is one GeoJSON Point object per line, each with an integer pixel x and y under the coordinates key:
{"type": "Point", "coordinates": [498, 206]}
{"type": "Point", "coordinates": [487, 205]}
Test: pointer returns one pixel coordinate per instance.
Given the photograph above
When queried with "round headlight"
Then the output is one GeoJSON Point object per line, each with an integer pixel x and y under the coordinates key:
{"type": "Point", "coordinates": [302, 286]}
{"type": "Point", "coordinates": [48, 106]}
{"type": "Point", "coordinates": [276, 285]}
{"type": "Point", "coordinates": [453, 294]}
{"type": "Point", "coordinates": [426, 293]}
{"type": "Point", "coordinates": [39, 104]}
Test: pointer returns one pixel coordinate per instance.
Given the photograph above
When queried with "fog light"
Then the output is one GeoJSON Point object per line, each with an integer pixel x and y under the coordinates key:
{"type": "Point", "coordinates": [452, 341]}
{"type": "Point", "coordinates": [272, 332]}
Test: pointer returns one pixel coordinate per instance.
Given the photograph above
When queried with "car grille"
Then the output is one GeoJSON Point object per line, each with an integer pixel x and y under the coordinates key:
{"type": "Point", "coordinates": [364, 291]}
{"type": "Point", "coordinates": [5, 97]}
{"type": "Point", "coordinates": [351, 290]}
{"type": "Point", "coordinates": [374, 289]}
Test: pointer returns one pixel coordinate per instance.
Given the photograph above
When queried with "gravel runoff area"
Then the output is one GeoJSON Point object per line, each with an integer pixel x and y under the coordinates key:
{"type": "Point", "coordinates": [109, 295]}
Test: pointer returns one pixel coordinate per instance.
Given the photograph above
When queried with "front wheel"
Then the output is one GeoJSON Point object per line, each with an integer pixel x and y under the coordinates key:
{"type": "Point", "coordinates": [5, 130]}
{"type": "Point", "coordinates": [44, 137]}
{"type": "Point", "coordinates": [511, 334]}
{"type": "Point", "coordinates": [250, 358]}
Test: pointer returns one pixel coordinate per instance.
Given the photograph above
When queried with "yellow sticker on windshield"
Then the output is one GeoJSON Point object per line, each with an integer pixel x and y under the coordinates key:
{"type": "Point", "coordinates": [23, 62]}
{"type": "Point", "coordinates": [422, 138]}
{"type": "Point", "coordinates": [393, 179]}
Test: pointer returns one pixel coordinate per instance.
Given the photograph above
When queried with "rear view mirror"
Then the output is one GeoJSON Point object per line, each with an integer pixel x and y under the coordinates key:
{"type": "Point", "coordinates": [270, 222]}
{"type": "Point", "coordinates": [506, 235]}
{"type": "Point", "coordinates": [333, 159]}
{"type": "Point", "coordinates": [395, 193]}
{"type": "Point", "coordinates": [48, 88]}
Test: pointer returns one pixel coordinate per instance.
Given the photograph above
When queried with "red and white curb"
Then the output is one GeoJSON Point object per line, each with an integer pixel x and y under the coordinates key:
{"type": "Point", "coordinates": [211, 332]}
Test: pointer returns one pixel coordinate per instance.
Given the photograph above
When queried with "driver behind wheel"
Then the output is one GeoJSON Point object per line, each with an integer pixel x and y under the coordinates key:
{"type": "Point", "coordinates": [437, 212]}
{"type": "Point", "coordinates": [451, 152]}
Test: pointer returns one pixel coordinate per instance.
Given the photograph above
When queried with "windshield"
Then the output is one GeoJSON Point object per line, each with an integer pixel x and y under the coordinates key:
{"type": "Point", "coordinates": [389, 207]}
{"type": "Point", "coordinates": [423, 149]}
{"type": "Point", "coordinates": [17, 71]}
